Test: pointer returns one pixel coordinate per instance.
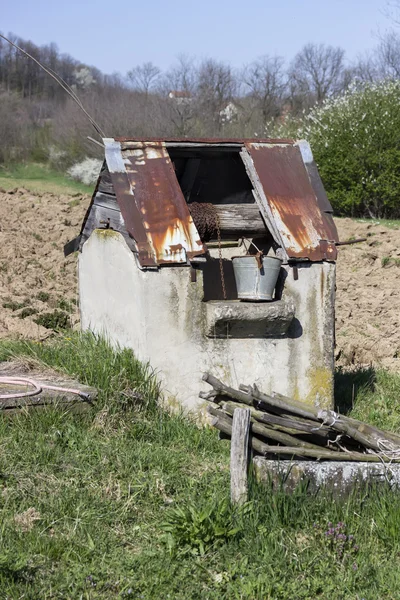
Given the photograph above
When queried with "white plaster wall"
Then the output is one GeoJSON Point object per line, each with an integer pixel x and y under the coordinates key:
{"type": "Point", "coordinates": [160, 315]}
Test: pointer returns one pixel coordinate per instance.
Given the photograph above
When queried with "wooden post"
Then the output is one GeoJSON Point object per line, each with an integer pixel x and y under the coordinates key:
{"type": "Point", "coordinates": [240, 455]}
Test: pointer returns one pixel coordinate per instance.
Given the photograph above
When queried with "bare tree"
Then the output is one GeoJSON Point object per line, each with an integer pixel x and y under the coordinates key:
{"type": "Point", "coordinates": [392, 11]}
{"type": "Point", "coordinates": [383, 62]}
{"type": "Point", "coordinates": [181, 77]}
{"type": "Point", "coordinates": [178, 94]}
{"type": "Point", "coordinates": [317, 71]}
{"type": "Point", "coordinates": [266, 80]}
{"type": "Point", "coordinates": [388, 56]}
{"type": "Point", "coordinates": [366, 68]}
{"type": "Point", "coordinates": [216, 86]}
{"type": "Point", "coordinates": [144, 77]}
{"type": "Point", "coordinates": [16, 143]}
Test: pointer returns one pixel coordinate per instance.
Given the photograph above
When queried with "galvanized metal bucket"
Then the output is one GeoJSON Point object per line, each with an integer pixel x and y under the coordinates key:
{"type": "Point", "coordinates": [253, 282]}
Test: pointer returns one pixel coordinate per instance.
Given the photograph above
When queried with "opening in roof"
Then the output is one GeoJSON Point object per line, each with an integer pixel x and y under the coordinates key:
{"type": "Point", "coordinates": [213, 175]}
{"type": "Point", "coordinates": [217, 175]}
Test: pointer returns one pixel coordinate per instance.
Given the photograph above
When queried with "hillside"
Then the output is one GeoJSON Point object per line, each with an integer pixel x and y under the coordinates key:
{"type": "Point", "coordinates": [37, 280]}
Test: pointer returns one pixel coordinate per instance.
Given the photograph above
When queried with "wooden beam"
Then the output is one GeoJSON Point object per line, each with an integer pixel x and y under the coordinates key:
{"type": "Point", "coordinates": [244, 218]}
{"type": "Point", "coordinates": [259, 195]}
{"type": "Point", "coordinates": [47, 397]}
{"type": "Point", "coordinates": [240, 455]}
{"type": "Point", "coordinates": [234, 218]}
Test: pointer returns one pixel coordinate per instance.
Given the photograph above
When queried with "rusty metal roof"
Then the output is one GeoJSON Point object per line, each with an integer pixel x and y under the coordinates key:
{"type": "Point", "coordinates": [286, 183]}
{"type": "Point", "coordinates": [152, 204]}
{"type": "Point", "coordinates": [292, 199]}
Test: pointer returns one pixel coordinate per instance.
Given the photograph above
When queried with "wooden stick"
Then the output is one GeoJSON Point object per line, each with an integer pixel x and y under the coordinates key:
{"type": "Point", "coordinates": [286, 404]}
{"type": "Point", "coordinates": [328, 454]}
{"type": "Point", "coordinates": [270, 433]}
{"type": "Point", "coordinates": [288, 424]}
{"type": "Point", "coordinates": [225, 421]}
{"type": "Point", "coordinates": [217, 412]}
{"type": "Point", "coordinates": [279, 436]}
{"type": "Point", "coordinates": [362, 433]}
{"type": "Point", "coordinates": [371, 430]}
{"type": "Point", "coordinates": [210, 396]}
{"type": "Point", "coordinates": [352, 432]}
{"type": "Point", "coordinates": [225, 390]}
{"type": "Point", "coordinates": [265, 449]}
{"type": "Point", "coordinates": [240, 455]}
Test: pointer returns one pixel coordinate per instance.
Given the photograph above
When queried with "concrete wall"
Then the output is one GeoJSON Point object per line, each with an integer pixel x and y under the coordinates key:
{"type": "Point", "coordinates": [161, 316]}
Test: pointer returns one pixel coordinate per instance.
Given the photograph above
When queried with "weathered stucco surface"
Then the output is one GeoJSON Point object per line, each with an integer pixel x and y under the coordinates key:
{"type": "Point", "coordinates": [162, 317]}
{"type": "Point", "coordinates": [337, 477]}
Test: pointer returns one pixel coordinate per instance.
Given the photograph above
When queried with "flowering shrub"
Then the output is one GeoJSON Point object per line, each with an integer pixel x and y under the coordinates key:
{"type": "Point", "coordinates": [355, 140]}
{"type": "Point", "coordinates": [86, 171]}
{"type": "Point", "coordinates": [338, 543]}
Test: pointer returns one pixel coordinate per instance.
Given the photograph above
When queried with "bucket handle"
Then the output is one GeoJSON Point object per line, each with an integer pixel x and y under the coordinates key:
{"type": "Point", "coordinates": [257, 256]}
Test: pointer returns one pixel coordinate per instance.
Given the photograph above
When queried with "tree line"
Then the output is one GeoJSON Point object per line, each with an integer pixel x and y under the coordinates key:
{"type": "Point", "coordinates": [192, 98]}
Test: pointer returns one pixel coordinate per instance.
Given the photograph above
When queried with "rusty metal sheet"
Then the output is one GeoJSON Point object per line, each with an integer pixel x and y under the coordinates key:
{"type": "Point", "coordinates": [126, 200]}
{"type": "Point", "coordinates": [165, 217]}
{"type": "Point", "coordinates": [314, 176]}
{"type": "Point", "coordinates": [305, 230]}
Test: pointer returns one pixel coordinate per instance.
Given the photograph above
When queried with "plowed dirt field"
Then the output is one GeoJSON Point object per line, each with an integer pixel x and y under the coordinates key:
{"type": "Point", "coordinates": [37, 282]}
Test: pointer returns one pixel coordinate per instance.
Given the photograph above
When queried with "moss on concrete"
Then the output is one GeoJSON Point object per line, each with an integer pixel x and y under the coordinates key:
{"type": "Point", "coordinates": [321, 387]}
{"type": "Point", "coordinates": [104, 234]}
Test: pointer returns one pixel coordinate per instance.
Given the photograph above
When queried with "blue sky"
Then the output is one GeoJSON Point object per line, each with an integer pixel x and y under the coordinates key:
{"type": "Point", "coordinates": [115, 36]}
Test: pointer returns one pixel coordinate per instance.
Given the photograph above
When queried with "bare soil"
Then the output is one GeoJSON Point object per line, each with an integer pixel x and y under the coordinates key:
{"type": "Point", "coordinates": [368, 295]}
{"type": "Point", "coordinates": [37, 280]}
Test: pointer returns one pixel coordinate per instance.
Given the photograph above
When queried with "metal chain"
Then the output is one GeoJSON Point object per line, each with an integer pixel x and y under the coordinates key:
{"type": "Point", "coordinates": [221, 264]}
{"type": "Point", "coordinates": [206, 220]}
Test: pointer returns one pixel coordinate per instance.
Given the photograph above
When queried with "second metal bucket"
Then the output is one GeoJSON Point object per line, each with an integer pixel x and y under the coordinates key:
{"type": "Point", "coordinates": [253, 283]}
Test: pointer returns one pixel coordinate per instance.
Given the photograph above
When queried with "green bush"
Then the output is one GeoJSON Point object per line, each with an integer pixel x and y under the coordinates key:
{"type": "Point", "coordinates": [43, 296]}
{"type": "Point", "coordinates": [27, 312]}
{"type": "Point", "coordinates": [355, 139]}
{"type": "Point", "coordinates": [54, 320]}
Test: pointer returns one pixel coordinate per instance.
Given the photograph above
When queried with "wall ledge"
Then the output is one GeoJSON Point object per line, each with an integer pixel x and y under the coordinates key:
{"type": "Point", "coordinates": [340, 478]}
{"type": "Point", "coordinates": [235, 319]}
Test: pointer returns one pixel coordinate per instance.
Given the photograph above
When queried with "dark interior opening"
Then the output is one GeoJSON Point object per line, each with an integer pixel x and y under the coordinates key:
{"type": "Point", "coordinates": [218, 176]}
{"type": "Point", "coordinates": [215, 175]}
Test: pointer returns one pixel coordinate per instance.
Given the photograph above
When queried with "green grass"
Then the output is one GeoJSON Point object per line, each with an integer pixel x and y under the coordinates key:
{"type": "Point", "coordinates": [387, 260]}
{"type": "Point", "coordinates": [126, 501]}
{"type": "Point", "coordinates": [39, 178]}
{"type": "Point", "coordinates": [390, 223]}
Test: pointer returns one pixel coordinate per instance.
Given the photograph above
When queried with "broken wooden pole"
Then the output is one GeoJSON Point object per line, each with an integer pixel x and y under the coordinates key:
{"type": "Point", "coordinates": [225, 390]}
{"type": "Point", "coordinates": [240, 455]}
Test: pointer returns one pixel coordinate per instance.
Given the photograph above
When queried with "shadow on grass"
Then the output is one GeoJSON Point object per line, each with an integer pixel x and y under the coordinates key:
{"type": "Point", "coordinates": [348, 384]}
